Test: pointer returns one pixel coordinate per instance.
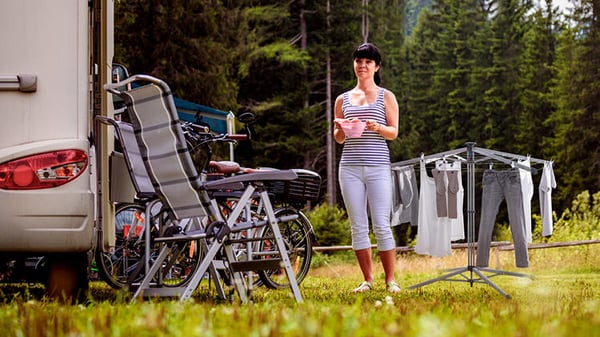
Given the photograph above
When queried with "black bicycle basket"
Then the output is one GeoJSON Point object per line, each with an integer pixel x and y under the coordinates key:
{"type": "Point", "coordinates": [306, 187]}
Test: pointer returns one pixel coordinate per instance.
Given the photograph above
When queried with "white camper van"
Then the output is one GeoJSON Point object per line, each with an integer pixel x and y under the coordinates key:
{"type": "Point", "coordinates": [54, 58]}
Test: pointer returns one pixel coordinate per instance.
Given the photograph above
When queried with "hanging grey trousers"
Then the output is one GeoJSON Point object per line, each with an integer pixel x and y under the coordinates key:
{"type": "Point", "coordinates": [499, 185]}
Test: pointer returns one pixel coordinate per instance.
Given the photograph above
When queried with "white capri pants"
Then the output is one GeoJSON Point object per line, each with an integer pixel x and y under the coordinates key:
{"type": "Point", "coordinates": [372, 186]}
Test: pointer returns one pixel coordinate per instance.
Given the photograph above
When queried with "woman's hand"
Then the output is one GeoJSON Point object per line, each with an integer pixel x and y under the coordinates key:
{"type": "Point", "coordinates": [338, 122]}
{"type": "Point", "coordinates": [373, 125]}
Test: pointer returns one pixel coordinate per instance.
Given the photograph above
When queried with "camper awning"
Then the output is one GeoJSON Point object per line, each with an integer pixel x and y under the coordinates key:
{"type": "Point", "coordinates": [215, 119]}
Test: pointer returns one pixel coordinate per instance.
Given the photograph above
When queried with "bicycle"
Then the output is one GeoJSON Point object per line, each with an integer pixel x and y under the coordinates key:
{"type": "Point", "coordinates": [288, 197]}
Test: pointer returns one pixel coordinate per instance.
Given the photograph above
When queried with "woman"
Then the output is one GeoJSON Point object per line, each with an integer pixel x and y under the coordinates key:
{"type": "Point", "coordinates": [365, 170]}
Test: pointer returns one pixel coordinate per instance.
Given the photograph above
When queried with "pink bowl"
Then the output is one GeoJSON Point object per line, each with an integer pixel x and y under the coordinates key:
{"type": "Point", "coordinates": [353, 130]}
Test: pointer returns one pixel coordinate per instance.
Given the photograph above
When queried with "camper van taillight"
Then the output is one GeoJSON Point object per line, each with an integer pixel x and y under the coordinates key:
{"type": "Point", "coordinates": [44, 170]}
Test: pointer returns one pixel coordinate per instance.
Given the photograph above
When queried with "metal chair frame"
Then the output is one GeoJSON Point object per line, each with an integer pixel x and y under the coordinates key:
{"type": "Point", "coordinates": [184, 195]}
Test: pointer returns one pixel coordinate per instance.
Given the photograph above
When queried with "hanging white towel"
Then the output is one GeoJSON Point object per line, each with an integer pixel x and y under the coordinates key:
{"type": "Point", "coordinates": [527, 191]}
{"type": "Point", "coordinates": [547, 183]}
{"type": "Point", "coordinates": [457, 224]}
{"type": "Point", "coordinates": [433, 235]}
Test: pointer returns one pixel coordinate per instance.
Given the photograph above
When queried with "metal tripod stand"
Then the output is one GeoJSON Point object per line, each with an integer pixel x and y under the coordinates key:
{"type": "Point", "coordinates": [471, 273]}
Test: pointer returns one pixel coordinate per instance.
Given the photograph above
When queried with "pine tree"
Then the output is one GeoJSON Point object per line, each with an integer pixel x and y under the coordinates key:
{"type": "Point", "coordinates": [186, 43]}
{"type": "Point", "coordinates": [575, 144]}
{"type": "Point", "coordinates": [535, 77]}
{"type": "Point", "coordinates": [443, 53]}
{"type": "Point", "coordinates": [509, 25]}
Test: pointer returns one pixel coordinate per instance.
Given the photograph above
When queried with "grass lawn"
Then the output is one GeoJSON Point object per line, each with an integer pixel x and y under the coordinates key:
{"type": "Point", "coordinates": [562, 299]}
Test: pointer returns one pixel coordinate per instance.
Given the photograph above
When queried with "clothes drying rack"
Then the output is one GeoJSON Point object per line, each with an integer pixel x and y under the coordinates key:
{"type": "Point", "coordinates": [471, 273]}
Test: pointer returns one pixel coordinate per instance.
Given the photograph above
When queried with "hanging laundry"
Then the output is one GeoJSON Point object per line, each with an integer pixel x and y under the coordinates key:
{"type": "Point", "coordinates": [405, 207]}
{"type": "Point", "coordinates": [527, 190]}
{"type": "Point", "coordinates": [437, 230]}
{"type": "Point", "coordinates": [433, 235]}
{"type": "Point", "coordinates": [441, 197]}
{"type": "Point", "coordinates": [547, 183]}
{"type": "Point", "coordinates": [451, 183]}
{"type": "Point", "coordinates": [497, 186]}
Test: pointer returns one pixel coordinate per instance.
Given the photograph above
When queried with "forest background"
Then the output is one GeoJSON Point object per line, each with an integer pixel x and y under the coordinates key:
{"type": "Point", "coordinates": [511, 75]}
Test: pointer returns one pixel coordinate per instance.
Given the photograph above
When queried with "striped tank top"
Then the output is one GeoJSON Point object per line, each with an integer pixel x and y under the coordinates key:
{"type": "Point", "coordinates": [370, 148]}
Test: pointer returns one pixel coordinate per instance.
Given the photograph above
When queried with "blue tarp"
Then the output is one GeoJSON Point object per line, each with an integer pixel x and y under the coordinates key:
{"type": "Point", "coordinates": [215, 119]}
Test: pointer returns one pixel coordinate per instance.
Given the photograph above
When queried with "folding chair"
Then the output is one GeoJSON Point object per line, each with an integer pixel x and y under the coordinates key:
{"type": "Point", "coordinates": [184, 195]}
{"type": "Point", "coordinates": [145, 190]}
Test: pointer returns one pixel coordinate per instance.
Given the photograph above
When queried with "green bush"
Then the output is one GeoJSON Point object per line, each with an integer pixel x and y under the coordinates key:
{"type": "Point", "coordinates": [580, 222]}
{"type": "Point", "coordinates": [331, 225]}
{"type": "Point", "coordinates": [321, 259]}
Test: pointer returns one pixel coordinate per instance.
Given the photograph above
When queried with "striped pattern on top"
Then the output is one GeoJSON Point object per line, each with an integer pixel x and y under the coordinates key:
{"type": "Point", "coordinates": [133, 158]}
{"type": "Point", "coordinates": [371, 148]}
{"type": "Point", "coordinates": [164, 150]}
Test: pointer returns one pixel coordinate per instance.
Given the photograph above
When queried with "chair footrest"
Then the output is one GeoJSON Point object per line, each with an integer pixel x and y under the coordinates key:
{"type": "Point", "coordinates": [263, 264]}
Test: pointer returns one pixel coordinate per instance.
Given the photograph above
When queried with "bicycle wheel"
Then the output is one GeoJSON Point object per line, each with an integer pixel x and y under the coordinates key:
{"type": "Point", "coordinates": [182, 262]}
{"type": "Point", "coordinates": [297, 235]}
{"type": "Point", "coordinates": [121, 266]}
{"type": "Point", "coordinates": [115, 266]}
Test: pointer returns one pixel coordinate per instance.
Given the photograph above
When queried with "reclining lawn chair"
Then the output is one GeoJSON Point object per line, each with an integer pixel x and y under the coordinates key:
{"type": "Point", "coordinates": [179, 188]}
{"type": "Point", "coordinates": [145, 191]}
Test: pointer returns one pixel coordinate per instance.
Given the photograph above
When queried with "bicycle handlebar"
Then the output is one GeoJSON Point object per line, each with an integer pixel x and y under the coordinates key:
{"type": "Point", "coordinates": [201, 134]}
{"type": "Point", "coordinates": [237, 136]}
